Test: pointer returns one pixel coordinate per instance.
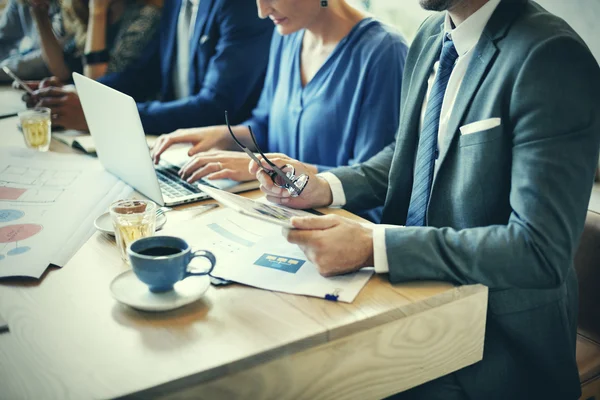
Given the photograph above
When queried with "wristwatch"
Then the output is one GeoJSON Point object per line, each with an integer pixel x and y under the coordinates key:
{"type": "Point", "coordinates": [96, 57]}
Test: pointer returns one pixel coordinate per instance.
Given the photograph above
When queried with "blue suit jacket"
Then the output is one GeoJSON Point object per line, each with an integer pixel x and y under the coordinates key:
{"type": "Point", "coordinates": [229, 51]}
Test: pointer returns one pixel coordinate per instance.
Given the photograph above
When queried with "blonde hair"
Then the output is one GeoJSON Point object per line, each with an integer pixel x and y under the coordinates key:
{"type": "Point", "coordinates": [76, 14]}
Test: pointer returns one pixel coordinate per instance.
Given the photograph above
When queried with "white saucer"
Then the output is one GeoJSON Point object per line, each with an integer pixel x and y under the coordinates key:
{"type": "Point", "coordinates": [104, 224]}
{"type": "Point", "coordinates": [128, 289]}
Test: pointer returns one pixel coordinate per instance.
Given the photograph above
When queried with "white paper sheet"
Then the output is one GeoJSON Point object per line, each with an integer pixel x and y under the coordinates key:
{"type": "Point", "coordinates": [47, 206]}
{"type": "Point", "coordinates": [10, 102]}
{"type": "Point", "coordinates": [3, 325]}
{"type": "Point", "coordinates": [255, 253]}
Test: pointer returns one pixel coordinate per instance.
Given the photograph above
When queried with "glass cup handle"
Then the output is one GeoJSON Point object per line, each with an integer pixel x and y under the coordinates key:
{"type": "Point", "coordinates": [206, 254]}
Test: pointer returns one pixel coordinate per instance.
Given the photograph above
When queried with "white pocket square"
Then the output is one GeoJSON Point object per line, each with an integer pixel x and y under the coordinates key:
{"type": "Point", "coordinates": [479, 126]}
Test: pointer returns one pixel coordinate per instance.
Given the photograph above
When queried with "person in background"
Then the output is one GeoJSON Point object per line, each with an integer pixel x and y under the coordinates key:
{"type": "Point", "coordinates": [208, 57]}
{"type": "Point", "coordinates": [20, 43]}
{"type": "Point", "coordinates": [109, 35]}
{"type": "Point", "coordinates": [487, 183]}
{"type": "Point", "coordinates": [331, 94]}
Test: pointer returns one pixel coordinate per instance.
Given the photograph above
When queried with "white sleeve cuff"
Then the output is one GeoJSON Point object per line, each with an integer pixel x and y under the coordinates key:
{"type": "Point", "coordinates": [337, 190]}
{"type": "Point", "coordinates": [380, 251]}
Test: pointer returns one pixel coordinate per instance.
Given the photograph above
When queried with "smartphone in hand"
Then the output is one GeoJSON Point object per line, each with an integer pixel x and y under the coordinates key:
{"type": "Point", "coordinates": [17, 79]}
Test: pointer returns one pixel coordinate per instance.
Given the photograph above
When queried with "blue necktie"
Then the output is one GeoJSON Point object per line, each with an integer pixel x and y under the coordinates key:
{"type": "Point", "coordinates": [427, 151]}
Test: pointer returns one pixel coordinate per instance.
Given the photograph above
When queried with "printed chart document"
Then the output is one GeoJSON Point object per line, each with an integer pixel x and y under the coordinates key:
{"type": "Point", "coordinates": [47, 206]}
{"type": "Point", "coordinates": [255, 253]}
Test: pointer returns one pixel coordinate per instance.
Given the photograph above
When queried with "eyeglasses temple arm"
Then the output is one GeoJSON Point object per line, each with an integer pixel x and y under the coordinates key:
{"type": "Point", "coordinates": [231, 132]}
{"type": "Point", "coordinates": [277, 170]}
{"type": "Point", "coordinates": [258, 148]}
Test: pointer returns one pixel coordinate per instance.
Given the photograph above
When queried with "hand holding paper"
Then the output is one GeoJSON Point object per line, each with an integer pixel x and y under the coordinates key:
{"type": "Point", "coordinates": [336, 245]}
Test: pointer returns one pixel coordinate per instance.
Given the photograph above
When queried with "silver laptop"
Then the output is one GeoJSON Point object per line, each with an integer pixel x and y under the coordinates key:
{"type": "Point", "coordinates": [115, 126]}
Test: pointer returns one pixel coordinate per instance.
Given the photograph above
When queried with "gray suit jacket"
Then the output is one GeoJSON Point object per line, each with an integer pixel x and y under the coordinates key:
{"type": "Point", "coordinates": [508, 204]}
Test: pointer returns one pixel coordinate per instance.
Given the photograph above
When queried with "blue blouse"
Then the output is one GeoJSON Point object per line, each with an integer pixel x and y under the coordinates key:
{"type": "Point", "coordinates": [347, 113]}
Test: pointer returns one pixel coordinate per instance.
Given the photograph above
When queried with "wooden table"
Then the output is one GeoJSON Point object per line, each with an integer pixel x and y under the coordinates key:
{"type": "Point", "coordinates": [70, 340]}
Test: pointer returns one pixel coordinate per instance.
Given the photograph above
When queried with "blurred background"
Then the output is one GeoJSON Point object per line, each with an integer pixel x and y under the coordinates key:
{"type": "Point", "coordinates": [407, 15]}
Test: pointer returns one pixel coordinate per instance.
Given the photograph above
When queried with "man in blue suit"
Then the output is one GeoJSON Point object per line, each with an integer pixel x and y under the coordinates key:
{"type": "Point", "coordinates": [488, 182]}
{"type": "Point", "coordinates": [209, 56]}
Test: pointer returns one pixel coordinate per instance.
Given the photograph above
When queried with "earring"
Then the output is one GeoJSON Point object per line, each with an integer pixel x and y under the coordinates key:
{"type": "Point", "coordinates": [324, 3]}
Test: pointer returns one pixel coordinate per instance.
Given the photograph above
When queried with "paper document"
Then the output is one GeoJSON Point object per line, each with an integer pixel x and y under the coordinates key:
{"type": "Point", "coordinates": [83, 141]}
{"type": "Point", "coordinates": [255, 253]}
{"type": "Point", "coordinates": [261, 210]}
{"type": "Point", "coordinates": [3, 325]}
{"type": "Point", "coordinates": [11, 103]}
{"type": "Point", "coordinates": [48, 203]}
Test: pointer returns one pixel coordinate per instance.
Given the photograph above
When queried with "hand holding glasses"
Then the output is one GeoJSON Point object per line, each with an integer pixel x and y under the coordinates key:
{"type": "Point", "coordinates": [282, 177]}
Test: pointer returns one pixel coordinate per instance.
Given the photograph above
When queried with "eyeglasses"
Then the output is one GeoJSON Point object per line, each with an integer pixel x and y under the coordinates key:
{"type": "Point", "coordinates": [284, 177]}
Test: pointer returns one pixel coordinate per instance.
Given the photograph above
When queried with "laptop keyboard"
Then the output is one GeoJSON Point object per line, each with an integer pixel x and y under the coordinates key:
{"type": "Point", "coordinates": [172, 185]}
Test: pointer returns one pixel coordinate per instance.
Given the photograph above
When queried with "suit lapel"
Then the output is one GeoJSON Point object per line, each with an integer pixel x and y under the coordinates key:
{"type": "Point", "coordinates": [485, 52]}
{"type": "Point", "coordinates": [201, 18]}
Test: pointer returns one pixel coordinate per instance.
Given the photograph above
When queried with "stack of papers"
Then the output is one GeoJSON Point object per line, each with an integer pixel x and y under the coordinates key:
{"type": "Point", "coordinates": [48, 203]}
{"type": "Point", "coordinates": [255, 253]}
{"type": "Point", "coordinates": [83, 141]}
{"type": "Point", "coordinates": [78, 140]}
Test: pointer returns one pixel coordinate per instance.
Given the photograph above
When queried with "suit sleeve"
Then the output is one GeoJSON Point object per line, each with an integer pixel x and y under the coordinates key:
{"type": "Point", "coordinates": [365, 185]}
{"type": "Point", "coordinates": [233, 72]}
{"type": "Point", "coordinates": [554, 154]}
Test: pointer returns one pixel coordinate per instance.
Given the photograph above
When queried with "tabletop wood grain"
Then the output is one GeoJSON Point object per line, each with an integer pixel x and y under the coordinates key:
{"type": "Point", "coordinates": [70, 340]}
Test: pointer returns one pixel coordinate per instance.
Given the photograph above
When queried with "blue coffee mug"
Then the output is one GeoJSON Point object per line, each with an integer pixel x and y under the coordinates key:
{"type": "Point", "coordinates": [162, 261]}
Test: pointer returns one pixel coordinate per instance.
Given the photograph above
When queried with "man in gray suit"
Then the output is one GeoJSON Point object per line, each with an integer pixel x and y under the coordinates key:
{"type": "Point", "coordinates": [488, 182]}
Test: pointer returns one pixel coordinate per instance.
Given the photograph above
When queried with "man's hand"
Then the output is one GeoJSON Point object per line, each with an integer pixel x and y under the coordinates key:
{"type": "Point", "coordinates": [317, 192]}
{"type": "Point", "coordinates": [36, 85]}
{"type": "Point", "coordinates": [334, 244]}
{"type": "Point", "coordinates": [64, 105]}
{"type": "Point", "coordinates": [217, 165]}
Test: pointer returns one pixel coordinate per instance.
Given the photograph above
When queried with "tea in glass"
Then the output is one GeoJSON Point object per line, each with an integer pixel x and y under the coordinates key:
{"type": "Point", "coordinates": [132, 220]}
{"type": "Point", "coordinates": [36, 126]}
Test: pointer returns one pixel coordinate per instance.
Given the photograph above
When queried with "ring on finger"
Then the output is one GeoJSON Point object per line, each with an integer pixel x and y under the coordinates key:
{"type": "Point", "coordinates": [220, 166]}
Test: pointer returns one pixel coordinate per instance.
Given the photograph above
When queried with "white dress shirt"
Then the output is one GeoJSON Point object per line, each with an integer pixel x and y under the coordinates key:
{"type": "Point", "coordinates": [185, 30]}
{"type": "Point", "coordinates": [465, 38]}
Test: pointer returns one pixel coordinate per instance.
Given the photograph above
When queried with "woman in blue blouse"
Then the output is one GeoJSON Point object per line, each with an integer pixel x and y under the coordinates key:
{"type": "Point", "coordinates": [331, 94]}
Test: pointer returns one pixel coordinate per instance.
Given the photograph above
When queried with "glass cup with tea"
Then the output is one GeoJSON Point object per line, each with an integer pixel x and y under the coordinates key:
{"type": "Point", "coordinates": [36, 126]}
{"type": "Point", "coordinates": [132, 220]}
